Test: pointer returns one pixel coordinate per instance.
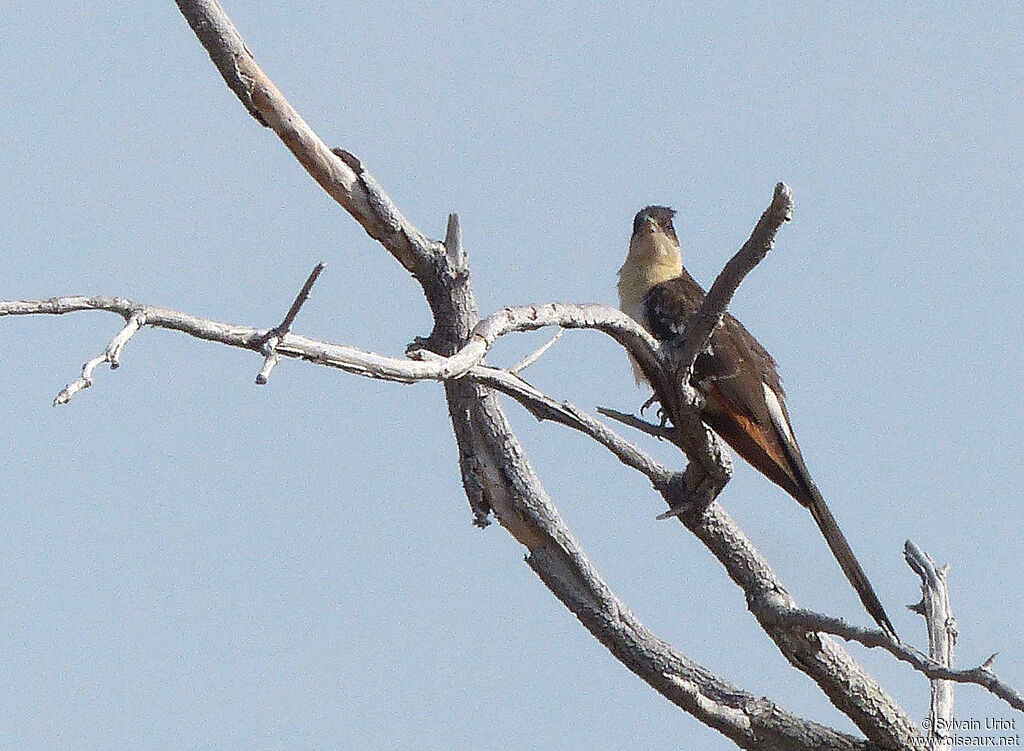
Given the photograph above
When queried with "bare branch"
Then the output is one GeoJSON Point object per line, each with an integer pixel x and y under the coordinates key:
{"type": "Point", "coordinates": [246, 337]}
{"type": "Point", "coordinates": [111, 356]}
{"type": "Point", "coordinates": [82, 383]}
{"type": "Point", "coordinates": [691, 435]}
{"type": "Point", "coordinates": [610, 321]}
{"type": "Point", "coordinates": [270, 361]}
{"type": "Point", "coordinates": [872, 637]}
{"type": "Point", "coordinates": [808, 620]}
{"type": "Point", "coordinates": [708, 316]}
{"type": "Point", "coordinates": [214, 331]}
{"type": "Point", "coordinates": [273, 337]}
{"type": "Point", "coordinates": [453, 246]}
{"type": "Point", "coordinates": [338, 172]}
{"type": "Point", "coordinates": [429, 366]}
{"type": "Point", "coordinates": [658, 431]}
{"type": "Point", "coordinates": [543, 407]}
{"type": "Point", "coordinates": [838, 675]}
{"type": "Point", "coordinates": [225, 45]}
{"type": "Point", "coordinates": [749, 721]}
{"type": "Point", "coordinates": [300, 300]}
{"type": "Point", "coordinates": [344, 178]}
{"type": "Point", "coordinates": [942, 633]}
{"type": "Point", "coordinates": [538, 353]}
{"type": "Point", "coordinates": [116, 347]}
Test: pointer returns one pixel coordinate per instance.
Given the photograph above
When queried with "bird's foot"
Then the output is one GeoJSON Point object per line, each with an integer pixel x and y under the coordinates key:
{"type": "Point", "coordinates": [662, 417]}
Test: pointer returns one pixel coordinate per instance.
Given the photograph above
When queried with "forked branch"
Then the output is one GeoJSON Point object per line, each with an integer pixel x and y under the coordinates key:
{"type": "Point", "coordinates": [775, 612]}
{"type": "Point", "coordinates": [496, 474]}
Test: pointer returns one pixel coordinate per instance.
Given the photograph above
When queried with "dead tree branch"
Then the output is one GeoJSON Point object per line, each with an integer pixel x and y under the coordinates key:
{"type": "Point", "coordinates": [772, 611]}
{"type": "Point", "coordinates": [496, 474]}
{"type": "Point", "coordinates": [637, 423]}
{"type": "Point", "coordinates": [111, 356]}
{"type": "Point", "coordinates": [938, 615]}
{"type": "Point", "coordinates": [272, 337]}
{"type": "Point", "coordinates": [983, 675]}
{"type": "Point", "coordinates": [538, 353]}
{"type": "Point", "coordinates": [706, 319]}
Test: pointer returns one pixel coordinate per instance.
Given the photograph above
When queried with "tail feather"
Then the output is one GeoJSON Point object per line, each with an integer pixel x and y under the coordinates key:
{"type": "Point", "coordinates": [809, 495]}
{"type": "Point", "coordinates": [848, 561]}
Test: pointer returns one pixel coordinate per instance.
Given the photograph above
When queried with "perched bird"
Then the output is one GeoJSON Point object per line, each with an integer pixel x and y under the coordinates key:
{"type": "Point", "coordinates": [743, 393]}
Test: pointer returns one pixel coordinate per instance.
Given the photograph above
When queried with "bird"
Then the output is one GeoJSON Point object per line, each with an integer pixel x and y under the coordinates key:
{"type": "Point", "coordinates": [743, 394]}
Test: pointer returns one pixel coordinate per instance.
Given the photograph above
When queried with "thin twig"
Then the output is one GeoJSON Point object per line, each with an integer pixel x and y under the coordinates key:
{"type": "Point", "coordinates": [531, 358]}
{"type": "Point", "coordinates": [658, 431]}
{"type": "Point", "coordinates": [300, 300]}
{"type": "Point", "coordinates": [274, 336]}
{"type": "Point", "coordinates": [872, 637]}
{"type": "Point", "coordinates": [111, 355]}
{"type": "Point", "coordinates": [270, 361]}
{"type": "Point", "coordinates": [116, 347]}
{"type": "Point", "coordinates": [543, 407]}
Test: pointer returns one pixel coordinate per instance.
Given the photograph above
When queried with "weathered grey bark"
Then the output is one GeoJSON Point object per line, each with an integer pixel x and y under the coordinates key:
{"type": "Point", "coordinates": [771, 611]}
{"type": "Point", "coordinates": [938, 616]}
{"type": "Point", "coordinates": [495, 471]}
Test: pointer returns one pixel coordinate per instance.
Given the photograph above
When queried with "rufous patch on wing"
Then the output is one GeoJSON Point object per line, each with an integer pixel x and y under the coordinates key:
{"type": "Point", "coordinates": [764, 437]}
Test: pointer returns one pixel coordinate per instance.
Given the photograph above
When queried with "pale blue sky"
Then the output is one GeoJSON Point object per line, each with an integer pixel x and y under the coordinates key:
{"type": "Point", "coordinates": [190, 561]}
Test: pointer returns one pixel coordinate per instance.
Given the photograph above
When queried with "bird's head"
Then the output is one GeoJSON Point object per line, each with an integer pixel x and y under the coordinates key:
{"type": "Point", "coordinates": [654, 248]}
{"type": "Point", "coordinates": [653, 257]}
{"type": "Point", "coordinates": [652, 220]}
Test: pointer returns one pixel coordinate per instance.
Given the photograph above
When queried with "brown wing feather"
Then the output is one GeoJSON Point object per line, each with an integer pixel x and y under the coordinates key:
{"type": "Point", "coordinates": [733, 376]}
{"type": "Point", "coordinates": [759, 447]}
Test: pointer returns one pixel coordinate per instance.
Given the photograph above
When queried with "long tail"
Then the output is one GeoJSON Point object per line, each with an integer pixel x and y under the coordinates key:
{"type": "Point", "coordinates": [847, 560]}
{"type": "Point", "coordinates": [809, 495]}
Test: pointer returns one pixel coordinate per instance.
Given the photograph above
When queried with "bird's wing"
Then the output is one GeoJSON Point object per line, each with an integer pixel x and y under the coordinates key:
{"type": "Point", "coordinates": [745, 406]}
{"type": "Point", "coordinates": [732, 374]}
